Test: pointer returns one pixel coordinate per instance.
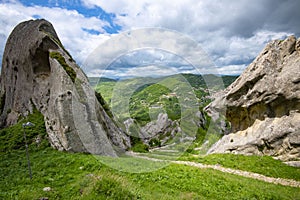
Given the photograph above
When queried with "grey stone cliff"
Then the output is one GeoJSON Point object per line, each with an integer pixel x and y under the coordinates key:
{"type": "Point", "coordinates": [263, 105]}
{"type": "Point", "coordinates": [37, 72]}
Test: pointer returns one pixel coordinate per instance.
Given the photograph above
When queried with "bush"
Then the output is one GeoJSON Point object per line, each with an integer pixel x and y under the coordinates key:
{"type": "Point", "coordinates": [140, 148]}
{"type": "Point", "coordinates": [154, 142]}
{"type": "Point", "coordinates": [200, 136]}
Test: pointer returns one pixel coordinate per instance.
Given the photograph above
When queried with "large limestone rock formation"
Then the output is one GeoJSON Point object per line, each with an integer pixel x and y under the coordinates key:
{"type": "Point", "coordinates": [263, 105]}
{"type": "Point", "coordinates": [37, 72]}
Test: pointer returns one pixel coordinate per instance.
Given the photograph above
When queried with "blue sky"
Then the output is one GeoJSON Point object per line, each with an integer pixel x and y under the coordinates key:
{"type": "Point", "coordinates": [87, 12]}
{"type": "Point", "coordinates": [231, 32]}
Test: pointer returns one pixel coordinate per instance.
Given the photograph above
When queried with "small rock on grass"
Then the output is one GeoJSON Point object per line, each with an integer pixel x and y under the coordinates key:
{"type": "Point", "coordinates": [47, 189]}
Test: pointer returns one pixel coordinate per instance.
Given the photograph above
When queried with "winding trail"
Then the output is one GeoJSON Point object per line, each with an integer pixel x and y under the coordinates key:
{"type": "Point", "coordinates": [278, 181]}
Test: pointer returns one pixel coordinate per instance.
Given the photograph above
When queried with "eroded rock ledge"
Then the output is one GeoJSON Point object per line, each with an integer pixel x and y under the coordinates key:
{"type": "Point", "coordinates": [263, 105]}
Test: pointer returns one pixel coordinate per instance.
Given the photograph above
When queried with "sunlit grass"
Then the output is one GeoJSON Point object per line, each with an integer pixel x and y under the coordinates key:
{"type": "Point", "coordinates": [265, 165]}
{"type": "Point", "coordinates": [82, 176]}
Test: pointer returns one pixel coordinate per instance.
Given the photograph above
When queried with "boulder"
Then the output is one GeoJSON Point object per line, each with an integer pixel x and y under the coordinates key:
{"type": "Point", "coordinates": [159, 126]}
{"type": "Point", "coordinates": [263, 105]}
{"type": "Point", "coordinates": [38, 73]}
{"type": "Point", "coordinates": [163, 129]}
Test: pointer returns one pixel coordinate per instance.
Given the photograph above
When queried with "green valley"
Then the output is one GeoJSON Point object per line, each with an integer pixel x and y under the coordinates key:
{"type": "Point", "coordinates": [180, 96]}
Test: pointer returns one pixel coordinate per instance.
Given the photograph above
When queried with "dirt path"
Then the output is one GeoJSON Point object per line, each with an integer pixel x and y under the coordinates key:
{"type": "Point", "coordinates": [279, 181]}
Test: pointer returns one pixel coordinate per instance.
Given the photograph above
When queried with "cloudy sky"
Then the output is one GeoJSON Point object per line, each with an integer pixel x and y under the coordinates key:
{"type": "Point", "coordinates": [229, 32]}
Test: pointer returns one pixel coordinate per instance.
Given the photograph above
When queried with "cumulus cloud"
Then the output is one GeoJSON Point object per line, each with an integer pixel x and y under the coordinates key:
{"type": "Point", "coordinates": [229, 33]}
{"type": "Point", "coordinates": [233, 18]}
{"type": "Point", "coordinates": [144, 62]}
{"type": "Point", "coordinates": [149, 46]}
{"type": "Point", "coordinates": [70, 26]}
{"type": "Point", "coordinates": [152, 71]}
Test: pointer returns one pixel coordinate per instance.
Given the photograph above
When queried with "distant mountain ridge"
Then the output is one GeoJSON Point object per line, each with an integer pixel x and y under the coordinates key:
{"type": "Point", "coordinates": [156, 104]}
{"type": "Point", "coordinates": [198, 79]}
{"type": "Point", "coordinates": [105, 85]}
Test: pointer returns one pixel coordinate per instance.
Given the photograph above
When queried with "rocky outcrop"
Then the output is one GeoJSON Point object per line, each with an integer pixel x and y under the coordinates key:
{"type": "Point", "coordinates": [263, 105]}
{"type": "Point", "coordinates": [37, 72]}
{"type": "Point", "coordinates": [155, 133]}
{"type": "Point", "coordinates": [161, 125]}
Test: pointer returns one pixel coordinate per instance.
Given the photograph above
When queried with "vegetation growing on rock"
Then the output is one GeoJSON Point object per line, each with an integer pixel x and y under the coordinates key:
{"type": "Point", "coordinates": [70, 71]}
{"type": "Point", "coordinates": [104, 104]}
{"type": "Point", "coordinates": [46, 29]}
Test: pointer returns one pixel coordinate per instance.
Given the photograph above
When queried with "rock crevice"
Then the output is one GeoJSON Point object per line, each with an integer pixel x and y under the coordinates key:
{"type": "Point", "coordinates": [38, 72]}
{"type": "Point", "coordinates": [263, 104]}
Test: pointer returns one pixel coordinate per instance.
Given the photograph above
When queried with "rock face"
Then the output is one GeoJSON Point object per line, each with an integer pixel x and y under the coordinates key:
{"type": "Point", "coordinates": [158, 127]}
{"type": "Point", "coordinates": [37, 72]}
{"type": "Point", "coordinates": [162, 129]}
{"type": "Point", "coordinates": [263, 105]}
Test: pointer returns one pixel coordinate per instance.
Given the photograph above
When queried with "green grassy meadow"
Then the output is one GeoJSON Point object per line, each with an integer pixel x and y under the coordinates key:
{"type": "Point", "coordinates": [84, 176]}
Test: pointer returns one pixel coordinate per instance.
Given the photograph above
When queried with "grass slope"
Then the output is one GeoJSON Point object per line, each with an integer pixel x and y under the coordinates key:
{"type": "Point", "coordinates": [12, 137]}
{"type": "Point", "coordinates": [83, 176]}
{"type": "Point", "coordinates": [265, 165]}
{"type": "Point", "coordinates": [106, 89]}
{"type": "Point", "coordinates": [153, 95]}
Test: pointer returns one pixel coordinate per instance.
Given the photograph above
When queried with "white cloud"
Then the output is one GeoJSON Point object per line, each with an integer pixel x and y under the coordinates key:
{"type": "Point", "coordinates": [231, 32]}
{"type": "Point", "coordinates": [150, 71]}
{"type": "Point", "coordinates": [69, 25]}
{"type": "Point", "coordinates": [192, 17]}
{"type": "Point", "coordinates": [243, 50]}
{"type": "Point", "coordinates": [232, 69]}
{"type": "Point", "coordinates": [164, 45]}
{"type": "Point", "coordinates": [141, 71]}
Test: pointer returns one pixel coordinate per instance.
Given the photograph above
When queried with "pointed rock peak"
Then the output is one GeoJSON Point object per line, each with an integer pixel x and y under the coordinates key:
{"type": "Point", "coordinates": [37, 72]}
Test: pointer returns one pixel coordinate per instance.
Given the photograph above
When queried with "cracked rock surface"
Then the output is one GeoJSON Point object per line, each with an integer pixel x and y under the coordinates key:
{"type": "Point", "coordinates": [263, 105]}
{"type": "Point", "coordinates": [37, 72]}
